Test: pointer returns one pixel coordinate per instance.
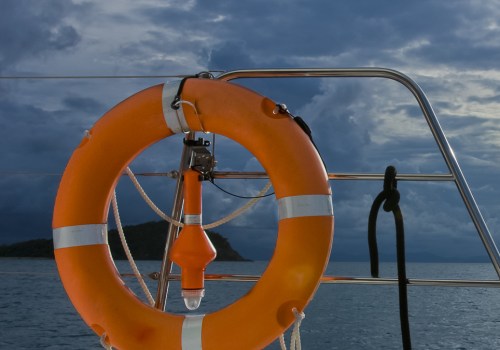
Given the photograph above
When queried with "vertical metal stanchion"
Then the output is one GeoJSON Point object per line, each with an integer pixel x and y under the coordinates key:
{"type": "Point", "coordinates": [173, 231]}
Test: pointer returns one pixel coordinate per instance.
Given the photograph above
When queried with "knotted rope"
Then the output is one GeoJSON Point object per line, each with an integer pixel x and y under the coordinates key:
{"type": "Point", "coordinates": [295, 343]}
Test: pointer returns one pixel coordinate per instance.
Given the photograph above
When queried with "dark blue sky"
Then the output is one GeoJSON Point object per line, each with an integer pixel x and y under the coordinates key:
{"type": "Point", "coordinates": [450, 49]}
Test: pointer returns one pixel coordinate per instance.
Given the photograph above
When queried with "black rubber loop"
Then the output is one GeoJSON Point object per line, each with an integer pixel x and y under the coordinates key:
{"type": "Point", "coordinates": [391, 196]}
{"type": "Point", "coordinates": [307, 130]}
{"type": "Point", "coordinates": [303, 126]}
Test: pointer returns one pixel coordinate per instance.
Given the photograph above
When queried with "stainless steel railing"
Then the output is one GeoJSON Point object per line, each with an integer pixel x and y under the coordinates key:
{"type": "Point", "coordinates": [455, 173]}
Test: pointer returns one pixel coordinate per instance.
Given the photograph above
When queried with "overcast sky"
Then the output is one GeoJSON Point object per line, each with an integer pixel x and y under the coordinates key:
{"type": "Point", "coordinates": [452, 49]}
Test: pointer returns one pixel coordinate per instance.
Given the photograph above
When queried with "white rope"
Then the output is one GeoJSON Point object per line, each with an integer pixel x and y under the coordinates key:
{"type": "Point", "coordinates": [282, 342]}
{"type": "Point", "coordinates": [104, 343]}
{"type": "Point", "coordinates": [217, 223]}
{"type": "Point", "coordinates": [149, 201]}
{"type": "Point", "coordinates": [195, 111]}
{"type": "Point", "coordinates": [128, 253]}
{"type": "Point", "coordinates": [295, 343]}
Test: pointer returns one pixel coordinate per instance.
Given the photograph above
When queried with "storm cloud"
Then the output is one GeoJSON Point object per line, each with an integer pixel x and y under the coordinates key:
{"type": "Point", "coordinates": [450, 49]}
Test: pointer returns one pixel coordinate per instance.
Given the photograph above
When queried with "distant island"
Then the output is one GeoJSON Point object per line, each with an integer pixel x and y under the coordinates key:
{"type": "Point", "coordinates": [146, 241]}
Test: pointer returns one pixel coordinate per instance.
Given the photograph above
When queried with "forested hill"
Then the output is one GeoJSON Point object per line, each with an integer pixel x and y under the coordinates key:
{"type": "Point", "coordinates": [146, 241]}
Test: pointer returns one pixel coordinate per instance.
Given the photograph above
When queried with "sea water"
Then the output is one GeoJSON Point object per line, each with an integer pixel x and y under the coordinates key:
{"type": "Point", "coordinates": [35, 312]}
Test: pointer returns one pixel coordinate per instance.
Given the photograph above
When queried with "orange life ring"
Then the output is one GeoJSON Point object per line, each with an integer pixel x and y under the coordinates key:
{"type": "Point", "coordinates": [305, 228]}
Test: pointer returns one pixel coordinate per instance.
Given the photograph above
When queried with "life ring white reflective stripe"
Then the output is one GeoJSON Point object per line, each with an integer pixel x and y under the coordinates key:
{"type": "Point", "coordinates": [306, 205]}
{"type": "Point", "coordinates": [81, 235]}
{"type": "Point", "coordinates": [191, 332]}
{"type": "Point", "coordinates": [175, 118]}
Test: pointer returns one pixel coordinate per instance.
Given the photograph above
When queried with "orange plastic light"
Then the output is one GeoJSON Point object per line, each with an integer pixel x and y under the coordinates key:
{"type": "Point", "coordinates": [192, 250]}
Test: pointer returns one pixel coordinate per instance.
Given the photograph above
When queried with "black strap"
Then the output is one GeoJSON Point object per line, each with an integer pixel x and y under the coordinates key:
{"type": "Point", "coordinates": [175, 103]}
{"type": "Point", "coordinates": [391, 196]}
{"type": "Point", "coordinates": [281, 108]}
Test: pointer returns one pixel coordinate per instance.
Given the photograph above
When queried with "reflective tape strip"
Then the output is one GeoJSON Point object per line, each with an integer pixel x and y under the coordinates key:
{"type": "Point", "coordinates": [191, 332]}
{"type": "Point", "coordinates": [173, 117]}
{"type": "Point", "coordinates": [192, 219]}
{"type": "Point", "coordinates": [306, 205]}
{"type": "Point", "coordinates": [76, 236]}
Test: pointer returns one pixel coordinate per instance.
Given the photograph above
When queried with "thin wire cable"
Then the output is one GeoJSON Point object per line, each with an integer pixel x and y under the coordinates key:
{"type": "Point", "coordinates": [170, 174]}
{"type": "Point", "coordinates": [48, 77]}
{"type": "Point", "coordinates": [243, 197]}
{"type": "Point", "coordinates": [241, 210]}
{"type": "Point", "coordinates": [28, 173]}
{"type": "Point", "coordinates": [55, 77]}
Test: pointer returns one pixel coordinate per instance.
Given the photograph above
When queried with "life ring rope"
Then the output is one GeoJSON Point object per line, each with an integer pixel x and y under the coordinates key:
{"type": "Point", "coordinates": [128, 253]}
{"type": "Point", "coordinates": [295, 343]}
{"type": "Point", "coordinates": [212, 225]}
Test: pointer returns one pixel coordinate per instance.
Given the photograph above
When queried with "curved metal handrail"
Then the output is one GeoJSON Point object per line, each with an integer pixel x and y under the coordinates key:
{"type": "Point", "coordinates": [430, 117]}
{"type": "Point", "coordinates": [455, 175]}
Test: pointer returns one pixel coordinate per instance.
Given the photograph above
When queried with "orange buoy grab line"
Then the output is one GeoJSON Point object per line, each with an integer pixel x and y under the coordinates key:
{"type": "Point", "coordinates": [305, 228]}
